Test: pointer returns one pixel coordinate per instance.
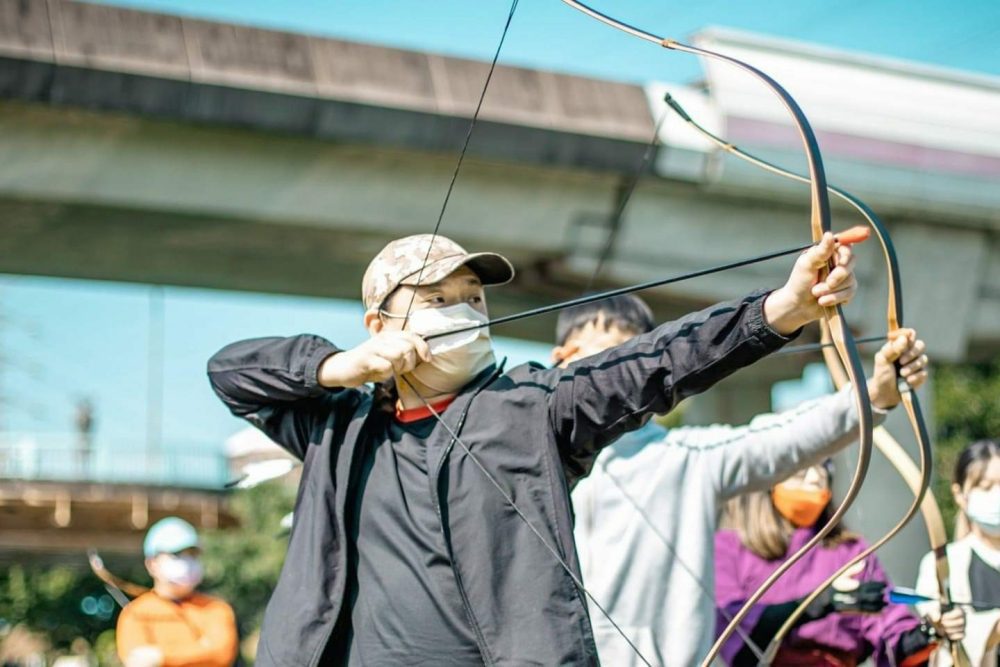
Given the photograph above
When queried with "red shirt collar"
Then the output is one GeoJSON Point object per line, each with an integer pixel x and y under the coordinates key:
{"type": "Point", "coordinates": [410, 415]}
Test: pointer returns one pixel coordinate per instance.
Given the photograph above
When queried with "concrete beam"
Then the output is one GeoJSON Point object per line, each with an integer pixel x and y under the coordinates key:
{"type": "Point", "coordinates": [111, 58]}
{"type": "Point", "coordinates": [125, 198]}
{"type": "Point", "coordinates": [100, 515]}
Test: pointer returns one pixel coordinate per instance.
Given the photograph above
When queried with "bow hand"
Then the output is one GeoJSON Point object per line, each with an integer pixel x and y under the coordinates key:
{"type": "Point", "coordinates": [950, 623]}
{"type": "Point", "coordinates": [802, 299]}
{"type": "Point", "coordinates": [901, 360]}
{"type": "Point", "coordinates": [850, 595]}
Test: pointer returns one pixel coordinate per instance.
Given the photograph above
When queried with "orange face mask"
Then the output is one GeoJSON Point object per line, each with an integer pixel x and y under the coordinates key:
{"type": "Point", "coordinates": [800, 506]}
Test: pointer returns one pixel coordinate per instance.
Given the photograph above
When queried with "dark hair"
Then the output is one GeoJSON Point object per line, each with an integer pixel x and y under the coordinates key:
{"type": "Point", "coordinates": [974, 459]}
{"type": "Point", "coordinates": [627, 312]}
{"type": "Point", "coordinates": [970, 468]}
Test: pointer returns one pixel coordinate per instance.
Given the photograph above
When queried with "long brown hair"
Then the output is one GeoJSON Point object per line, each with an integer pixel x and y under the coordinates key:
{"type": "Point", "coordinates": [765, 532]}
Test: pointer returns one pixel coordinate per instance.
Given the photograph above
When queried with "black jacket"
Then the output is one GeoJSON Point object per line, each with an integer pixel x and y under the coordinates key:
{"type": "Point", "coordinates": [536, 430]}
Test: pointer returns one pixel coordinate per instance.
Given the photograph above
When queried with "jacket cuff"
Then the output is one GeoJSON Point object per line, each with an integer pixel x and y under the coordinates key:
{"type": "Point", "coordinates": [761, 330]}
{"type": "Point", "coordinates": [846, 395]}
{"type": "Point", "coordinates": [320, 350]}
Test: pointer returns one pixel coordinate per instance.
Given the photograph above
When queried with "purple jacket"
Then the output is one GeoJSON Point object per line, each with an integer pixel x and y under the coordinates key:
{"type": "Point", "coordinates": [739, 572]}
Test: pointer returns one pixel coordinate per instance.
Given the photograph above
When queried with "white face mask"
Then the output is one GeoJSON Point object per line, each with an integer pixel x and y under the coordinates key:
{"type": "Point", "coordinates": [183, 571]}
{"type": "Point", "coordinates": [457, 358]}
{"type": "Point", "coordinates": [983, 509]}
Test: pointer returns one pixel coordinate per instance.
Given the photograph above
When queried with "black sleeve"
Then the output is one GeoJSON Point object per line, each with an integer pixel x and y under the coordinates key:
{"type": "Point", "coordinates": [910, 643]}
{"type": "Point", "coordinates": [597, 399]}
{"type": "Point", "coordinates": [868, 597]}
{"type": "Point", "coordinates": [771, 620]}
{"type": "Point", "coordinates": [763, 632]}
{"type": "Point", "coordinates": [272, 383]}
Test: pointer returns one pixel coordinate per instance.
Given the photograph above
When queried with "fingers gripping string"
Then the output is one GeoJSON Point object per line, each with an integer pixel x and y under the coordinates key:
{"type": "Point", "coordinates": [461, 155]}
{"type": "Point", "coordinates": [520, 513]}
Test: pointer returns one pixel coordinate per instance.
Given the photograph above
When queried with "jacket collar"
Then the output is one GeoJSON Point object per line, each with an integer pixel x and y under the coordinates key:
{"type": "Point", "coordinates": [441, 442]}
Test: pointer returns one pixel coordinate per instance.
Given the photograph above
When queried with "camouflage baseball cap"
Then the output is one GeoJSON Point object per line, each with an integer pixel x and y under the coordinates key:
{"type": "Point", "coordinates": [400, 262]}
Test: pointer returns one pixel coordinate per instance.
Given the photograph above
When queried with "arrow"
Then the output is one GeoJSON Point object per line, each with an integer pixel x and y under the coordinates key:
{"type": "Point", "coordinates": [900, 595]}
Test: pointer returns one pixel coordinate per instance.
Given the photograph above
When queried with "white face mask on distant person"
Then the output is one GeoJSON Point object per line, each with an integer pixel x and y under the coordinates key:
{"type": "Point", "coordinates": [458, 358]}
{"type": "Point", "coordinates": [983, 509]}
{"type": "Point", "coordinates": [183, 571]}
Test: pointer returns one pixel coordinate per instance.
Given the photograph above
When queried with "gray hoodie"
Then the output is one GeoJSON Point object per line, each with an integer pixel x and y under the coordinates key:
{"type": "Point", "coordinates": [647, 515]}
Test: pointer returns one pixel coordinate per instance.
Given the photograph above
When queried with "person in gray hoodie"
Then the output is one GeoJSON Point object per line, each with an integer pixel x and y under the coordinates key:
{"type": "Point", "coordinates": [647, 513]}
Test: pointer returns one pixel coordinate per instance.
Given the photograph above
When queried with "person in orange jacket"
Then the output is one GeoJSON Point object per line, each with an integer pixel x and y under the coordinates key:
{"type": "Point", "coordinates": [174, 625]}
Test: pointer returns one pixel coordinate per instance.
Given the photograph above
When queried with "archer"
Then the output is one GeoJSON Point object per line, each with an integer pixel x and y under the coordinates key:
{"type": "Point", "coordinates": [433, 521]}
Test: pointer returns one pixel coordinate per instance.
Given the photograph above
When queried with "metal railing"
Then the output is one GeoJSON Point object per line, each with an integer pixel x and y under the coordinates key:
{"type": "Point", "coordinates": [68, 458]}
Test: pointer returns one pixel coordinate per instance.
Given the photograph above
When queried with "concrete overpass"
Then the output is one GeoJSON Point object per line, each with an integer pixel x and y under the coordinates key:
{"type": "Point", "coordinates": [153, 148]}
{"type": "Point", "coordinates": [58, 498]}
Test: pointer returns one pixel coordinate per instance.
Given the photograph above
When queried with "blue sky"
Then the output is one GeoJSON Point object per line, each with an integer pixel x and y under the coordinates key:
{"type": "Point", "coordinates": [551, 35]}
{"type": "Point", "coordinates": [60, 340]}
{"type": "Point", "coordinates": [63, 340]}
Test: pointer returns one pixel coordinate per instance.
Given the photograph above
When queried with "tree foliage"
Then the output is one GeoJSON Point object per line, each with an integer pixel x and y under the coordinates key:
{"type": "Point", "coordinates": [242, 564]}
{"type": "Point", "coordinates": [967, 408]}
{"type": "Point", "coordinates": [62, 602]}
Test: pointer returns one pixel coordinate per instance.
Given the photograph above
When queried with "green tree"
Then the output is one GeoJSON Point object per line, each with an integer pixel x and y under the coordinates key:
{"type": "Point", "coordinates": [62, 602]}
{"type": "Point", "coordinates": [967, 408]}
{"type": "Point", "coordinates": [242, 564]}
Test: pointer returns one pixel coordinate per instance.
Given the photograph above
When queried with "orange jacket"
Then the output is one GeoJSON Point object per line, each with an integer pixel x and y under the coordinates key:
{"type": "Point", "coordinates": [199, 631]}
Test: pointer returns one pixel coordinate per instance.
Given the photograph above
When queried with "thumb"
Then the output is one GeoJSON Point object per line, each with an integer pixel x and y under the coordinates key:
{"type": "Point", "coordinates": [818, 256]}
{"type": "Point", "coordinates": [900, 341]}
{"type": "Point", "coordinates": [847, 581]}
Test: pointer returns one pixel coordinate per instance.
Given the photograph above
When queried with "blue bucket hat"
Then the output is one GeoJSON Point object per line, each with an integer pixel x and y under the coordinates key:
{"type": "Point", "coordinates": [169, 535]}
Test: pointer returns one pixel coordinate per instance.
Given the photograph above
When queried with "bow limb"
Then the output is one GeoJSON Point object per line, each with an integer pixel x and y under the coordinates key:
{"type": "Point", "coordinates": [843, 341]}
{"type": "Point", "coordinates": [842, 338]}
{"type": "Point", "coordinates": [916, 478]}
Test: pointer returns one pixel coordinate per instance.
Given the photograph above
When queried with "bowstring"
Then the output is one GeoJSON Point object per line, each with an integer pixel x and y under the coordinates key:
{"type": "Point", "coordinates": [750, 643]}
{"type": "Point", "coordinates": [437, 225]}
{"type": "Point", "coordinates": [614, 228]}
{"type": "Point", "coordinates": [461, 155]}
{"type": "Point", "coordinates": [616, 220]}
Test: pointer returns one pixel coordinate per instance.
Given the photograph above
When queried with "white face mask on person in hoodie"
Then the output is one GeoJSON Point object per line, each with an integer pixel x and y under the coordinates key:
{"type": "Point", "coordinates": [458, 358]}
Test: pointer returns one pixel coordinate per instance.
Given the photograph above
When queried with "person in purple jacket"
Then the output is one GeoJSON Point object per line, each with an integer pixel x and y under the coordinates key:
{"type": "Point", "coordinates": [850, 622]}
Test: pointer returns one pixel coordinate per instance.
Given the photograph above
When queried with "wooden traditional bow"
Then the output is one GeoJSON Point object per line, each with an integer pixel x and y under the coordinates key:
{"type": "Point", "coordinates": [917, 478]}
{"type": "Point", "coordinates": [841, 336]}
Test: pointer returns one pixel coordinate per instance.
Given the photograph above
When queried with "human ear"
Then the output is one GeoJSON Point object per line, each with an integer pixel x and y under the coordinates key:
{"type": "Point", "coordinates": [956, 493]}
{"type": "Point", "coordinates": [373, 323]}
{"type": "Point", "coordinates": [151, 567]}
